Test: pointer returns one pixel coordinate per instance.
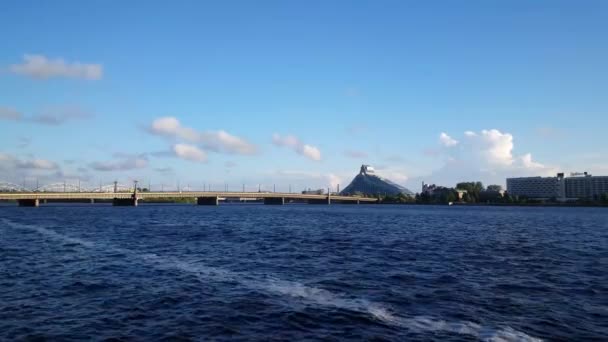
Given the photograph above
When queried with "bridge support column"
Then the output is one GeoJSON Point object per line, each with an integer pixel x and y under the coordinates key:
{"type": "Point", "coordinates": [92, 201]}
{"type": "Point", "coordinates": [208, 200]}
{"type": "Point", "coordinates": [274, 200]}
{"type": "Point", "coordinates": [29, 202]}
{"type": "Point", "coordinates": [125, 202]}
{"type": "Point", "coordinates": [326, 201]}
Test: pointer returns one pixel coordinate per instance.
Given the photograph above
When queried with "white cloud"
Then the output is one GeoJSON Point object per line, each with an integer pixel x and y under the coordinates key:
{"type": "Point", "coordinates": [528, 163]}
{"type": "Point", "coordinates": [40, 67]}
{"type": "Point", "coordinates": [292, 142]}
{"type": "Point", "coordinates": [392, 174]}
{"type": "Point", "coordinates": [311, 152]}
{"type": "Point", "coordinates": [10, 114]}
{"type": "Point", "coordinates": [333, 180]}
{"type": "Point", "coordinates": [490, 147]}
{"type": "Point", "coordinates": [446, 140]}
{"type": "Point", "coordinates": [168, 126]}
{"type": "Point", "coordinates": [217, 141]}
{"type": "Point", "coordinates": [10, 162]}
{"type": "Point", "coordinates": [38, 164]}
{"type": "Point", "coordinates": [487, 156]}
{"type": "Point", "coordinates": [222, 141]}
{"type": "Point", "coordinates": [122, 162]}
{"type": "Point", "coordinates": [189, 152]}
{"type": "Point", "coordinates": [18, 169]}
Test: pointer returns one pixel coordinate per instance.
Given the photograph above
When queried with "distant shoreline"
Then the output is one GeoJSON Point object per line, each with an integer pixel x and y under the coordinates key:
{"type": "Point", "coordinates": [601, 205]}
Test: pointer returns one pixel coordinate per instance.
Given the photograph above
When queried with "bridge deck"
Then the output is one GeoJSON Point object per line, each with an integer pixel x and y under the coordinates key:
{"type": "Point", "coordinates": [183, 194]}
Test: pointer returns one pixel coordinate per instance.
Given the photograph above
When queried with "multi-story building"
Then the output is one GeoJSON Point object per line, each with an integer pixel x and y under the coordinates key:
{"type": "Point", "coordinates": [586, 186]}
{"type": "Point", "coordinates": [578, 185]}
{"type": "Point", "coordinates": [537, 187]}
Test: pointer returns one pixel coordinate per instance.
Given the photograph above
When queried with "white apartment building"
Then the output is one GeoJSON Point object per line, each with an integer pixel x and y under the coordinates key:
{"type": "Point", "coordinates": [578, 185]}
{"type": "Point", "coordinates": [537, 187]}
{"type": "Point", "coordinates": [586, 186]}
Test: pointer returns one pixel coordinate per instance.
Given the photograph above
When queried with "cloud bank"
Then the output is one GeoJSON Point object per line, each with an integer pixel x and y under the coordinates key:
{"type": "Point", "coordinates": [447, 140]}
{"type": "Point", "coordinates": [189, 152]}
{"type": "Point", "coordinates": [216, 141]}
{"type": "Point", "coordinates": [41, 67]}
{"type": "Point", "coordinates": [17, 169]}
{"type": "Point", "coordinates": [488, 156]}
{"type": "Point", "coordinates": [292, 142]}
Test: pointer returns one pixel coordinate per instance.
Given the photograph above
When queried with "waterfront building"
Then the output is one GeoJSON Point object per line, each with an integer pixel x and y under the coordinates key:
{"type": "Point", "coordinates": [370, 183]}
{"type": "Point", "coordinates": [537, 187]}
{"type": "Point", "coordinates": [586, 186]}
{"type": "Point", "coordinates": [578, 185]}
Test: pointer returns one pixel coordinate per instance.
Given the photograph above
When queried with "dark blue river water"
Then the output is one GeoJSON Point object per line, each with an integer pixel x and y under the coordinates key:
{"type": "Point", "coordinates": [303, 272]}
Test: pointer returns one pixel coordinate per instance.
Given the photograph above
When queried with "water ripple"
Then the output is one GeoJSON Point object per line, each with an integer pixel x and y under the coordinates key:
{"type": "Point", "coordinates": [300, 273]}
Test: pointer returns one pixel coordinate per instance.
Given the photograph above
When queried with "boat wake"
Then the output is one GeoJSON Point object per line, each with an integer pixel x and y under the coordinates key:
{"type": "Point", "coordinates": [313, 295]}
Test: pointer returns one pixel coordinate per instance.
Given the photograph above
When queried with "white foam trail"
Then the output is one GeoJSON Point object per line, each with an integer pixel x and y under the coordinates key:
{"type": "Point", "coordinates": [297, 290]}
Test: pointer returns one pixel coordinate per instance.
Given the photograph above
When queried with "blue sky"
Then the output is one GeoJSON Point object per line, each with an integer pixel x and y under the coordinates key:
{"type": "Point", "coordinates": [301, 93]}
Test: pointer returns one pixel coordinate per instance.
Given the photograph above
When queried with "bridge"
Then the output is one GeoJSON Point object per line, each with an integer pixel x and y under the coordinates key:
{"type": "Point", "coordinates": [132, 198]}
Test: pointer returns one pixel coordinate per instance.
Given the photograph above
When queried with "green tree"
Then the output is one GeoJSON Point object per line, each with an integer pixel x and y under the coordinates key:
{"type": "Point", "coordinates": [472, 188]}
{"type": "Point", "coordinates": [452, 196]}
{"type": "Point", "coordinates": [494, 187]}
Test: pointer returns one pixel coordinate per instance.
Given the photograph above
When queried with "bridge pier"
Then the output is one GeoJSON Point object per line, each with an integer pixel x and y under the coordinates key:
{"type": "Point", "coordinates": [125, 202]}
{"type": "Point", "coordinates": [326, 201]}
{"type": "Point", "coordinates": [34, 202]}
{"type": "Point", "coordinates": [208, 200]}
{"type": "Point", "coordinates": [92, 201]}
{"type": "Point", "coordinates": [274, 200]}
